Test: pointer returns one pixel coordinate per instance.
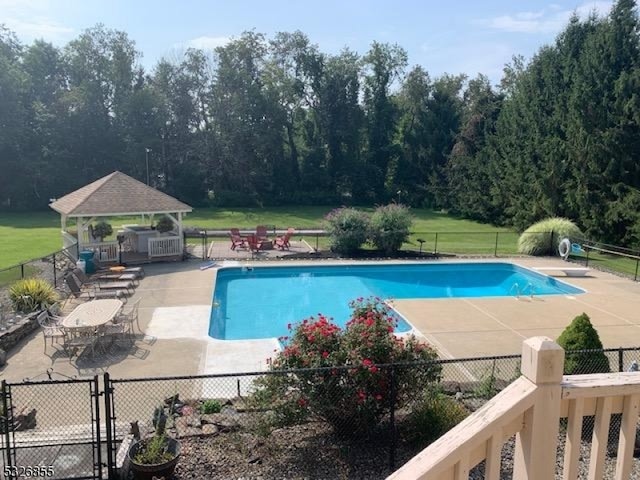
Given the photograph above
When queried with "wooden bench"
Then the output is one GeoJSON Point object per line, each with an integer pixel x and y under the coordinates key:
{"type": "Point", "coordinates": [568, 271]}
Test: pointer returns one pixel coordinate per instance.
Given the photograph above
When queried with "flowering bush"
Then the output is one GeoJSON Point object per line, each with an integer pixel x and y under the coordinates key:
{"type": "Point", "coordinates": [389, 227]}
{"type": "Point", "coordinates": [347, 229]}
{"type": "Point", "coordinates": [350, 387]}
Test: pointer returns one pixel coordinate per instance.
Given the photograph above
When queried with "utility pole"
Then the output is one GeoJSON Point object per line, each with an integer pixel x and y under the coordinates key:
{"type": "Point", "coordinates": [146, 155]}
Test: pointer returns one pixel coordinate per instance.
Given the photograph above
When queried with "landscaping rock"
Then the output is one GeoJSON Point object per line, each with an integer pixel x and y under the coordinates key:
{"type": "Point", "coordinates": [222, 421]}
{"type": "Point", "coordinates": [188, 426]}
{"type": "Point", "coordinates": [209, 429]}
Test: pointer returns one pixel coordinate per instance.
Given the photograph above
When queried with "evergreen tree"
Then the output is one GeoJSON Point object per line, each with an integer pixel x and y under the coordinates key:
{"type": "Point", "coordinates": [583, 348]}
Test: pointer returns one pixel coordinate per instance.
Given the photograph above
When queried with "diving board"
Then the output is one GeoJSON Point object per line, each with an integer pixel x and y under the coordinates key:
{"type": "Point", "coordinates": [568, 271]}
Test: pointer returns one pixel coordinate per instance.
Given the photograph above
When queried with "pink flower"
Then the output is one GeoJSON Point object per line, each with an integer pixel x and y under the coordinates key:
{"type": "Point", "coordinates": [367, 363]}
{"type": "Point", "coordinates": [325, 354]}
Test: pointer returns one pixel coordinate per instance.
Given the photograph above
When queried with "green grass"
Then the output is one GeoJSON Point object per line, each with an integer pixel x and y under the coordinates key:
{"type": "Point", "coordinates": [29, 235]}
{"type": "Point", "coordinates": [610, 262]}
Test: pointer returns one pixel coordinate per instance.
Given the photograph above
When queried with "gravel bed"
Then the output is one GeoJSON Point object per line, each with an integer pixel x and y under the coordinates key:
{"type": "Point", "coordinates": [311, 452]}
{"type": "Point", "coordinates": [299, 452]}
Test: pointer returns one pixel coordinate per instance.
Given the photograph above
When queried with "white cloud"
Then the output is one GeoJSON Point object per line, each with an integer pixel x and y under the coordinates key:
{"type": "Point", "coordinates": [549, 20]}
{"type": "Point", "coordinates": [31, 19]}
{"type": "Point", "coordinates": [208, 43]}
{"type": "Point", "coordinates": [38, 28]}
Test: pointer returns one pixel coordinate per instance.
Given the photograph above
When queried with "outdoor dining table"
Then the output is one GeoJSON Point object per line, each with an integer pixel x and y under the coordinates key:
{"type": "Point", "coordinates": [92, 314]}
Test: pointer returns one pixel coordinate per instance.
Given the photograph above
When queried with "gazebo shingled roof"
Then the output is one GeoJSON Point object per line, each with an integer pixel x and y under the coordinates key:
{"type": "Point", "coordinates": [117, 194]}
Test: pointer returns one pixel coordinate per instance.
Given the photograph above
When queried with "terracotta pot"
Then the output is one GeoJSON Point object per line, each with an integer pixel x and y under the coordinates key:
{"type": "Point", "coordinates": [147, 472]}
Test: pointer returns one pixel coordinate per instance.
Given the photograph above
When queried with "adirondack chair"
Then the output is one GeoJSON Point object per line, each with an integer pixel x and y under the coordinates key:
{"type": "Point", "coordinates": [261, 233]}
{"type": "Point", "coordinates": [237, 240]}
{"type": "Point", "coordinates": [282, 243]}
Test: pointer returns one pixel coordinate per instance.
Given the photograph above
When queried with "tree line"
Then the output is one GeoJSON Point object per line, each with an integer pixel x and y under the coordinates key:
{"type": "Point", "coordinates": [269, 121]}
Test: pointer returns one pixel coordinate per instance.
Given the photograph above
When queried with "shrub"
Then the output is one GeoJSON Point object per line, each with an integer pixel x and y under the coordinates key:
{"type": "Point", "coordinates": [347, 229]}
{"type": "Point", "coordinates": [101, 230]}
{"type": "Point", "coordinates": [31, 294]}
{"type": "Point", "coordinates": [210, 406]}
{"type": "Point", "coordinates": [389, 227]}
{"type": "Point", "coordinates": [164, 224]}
{"type": "Point", "coordinates": [543, 238]}
{"type": "Point", "coordinates": [351, 392]}
{"type": "Point", "coordinates": [580, 335]}
{"type": "Point", "coordinates": [433, 416]}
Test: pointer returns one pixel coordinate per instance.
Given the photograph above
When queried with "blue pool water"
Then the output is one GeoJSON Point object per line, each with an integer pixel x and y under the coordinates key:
{"type": "Point", "coordinates": [259, 302]}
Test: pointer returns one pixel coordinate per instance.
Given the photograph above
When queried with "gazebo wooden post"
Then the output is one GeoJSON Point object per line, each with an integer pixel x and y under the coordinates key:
{"type": "Point", "coordinates": [80, 230]}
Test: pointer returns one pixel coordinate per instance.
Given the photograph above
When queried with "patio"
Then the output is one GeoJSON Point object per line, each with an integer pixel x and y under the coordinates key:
{"type": "Point", "coordinates": [175, 303]}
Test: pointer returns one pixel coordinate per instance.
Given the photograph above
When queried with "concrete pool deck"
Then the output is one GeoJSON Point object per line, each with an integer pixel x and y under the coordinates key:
{"type": "Point", "coordinates": [176, 302]}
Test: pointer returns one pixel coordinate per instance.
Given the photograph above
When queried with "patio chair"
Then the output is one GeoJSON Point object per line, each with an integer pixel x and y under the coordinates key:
{"type": "Point", "coordinates": [139, 271]}
{"type": "Point", "coordinates": [50, 328]}
{"type": "Point", "coordinates": [127, 285]}
{"type": "Point", "coordinates": [261, 233]}
{"type": "Point", "coordinates": [254, 244]}
{"type": "Point", "coordinates": [282, 243]}
{"type": "Point", "coordinates": [76, 290]}
{"type": "Point", "coordinates": [76, 338]}
{"type": "Point", "coordinates": [128, 318]}
{"type": "Point", "coordinates": [237, 240]}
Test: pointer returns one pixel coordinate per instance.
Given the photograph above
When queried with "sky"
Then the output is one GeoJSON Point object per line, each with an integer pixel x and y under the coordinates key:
{"type": "Point", "coordinates": [468, 36]}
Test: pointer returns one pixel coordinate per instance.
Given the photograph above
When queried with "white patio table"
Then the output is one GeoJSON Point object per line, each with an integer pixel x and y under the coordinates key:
{"type": "Point", "coordinates": [82, 325]}
{"type": "Point", "coordinates": [92, 314]}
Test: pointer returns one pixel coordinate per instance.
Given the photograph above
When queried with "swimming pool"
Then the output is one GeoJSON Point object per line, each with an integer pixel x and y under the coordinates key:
{"type": "Point", "coordinates": [259, 302]}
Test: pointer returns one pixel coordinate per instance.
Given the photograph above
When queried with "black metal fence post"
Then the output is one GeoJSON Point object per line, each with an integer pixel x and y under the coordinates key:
{"type": "Point", "coordinates": [98, 446]}
{"type": "Point", "coordinates": [435, 246]}
{"type": "Point", "coordinates": [8, 421]}
{"type": "Point", "coordinates": [55, 275]}
{"type": "Point", "coordinates": [587, 261]}
{"type": "Point", "coordinates": [635, 276]}
{"type": "Point", "coordinates": [551, 242]}
{"type": "Point", "coordinates": [22, 270]}
{"type": "Point", "coordinates": [495, 250]}
{"type": "Point", "coordinates": [317, 239]}
{"type": "Point", "coordinates": [620, 360]}
{"type": "Point", "coordinates": [392, 418]}
{"type": "Point", "coordinates": [108, 422]}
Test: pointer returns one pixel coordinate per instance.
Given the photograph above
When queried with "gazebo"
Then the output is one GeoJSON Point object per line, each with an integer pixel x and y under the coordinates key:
{"type": "Point", "coordinates": [115, 195]}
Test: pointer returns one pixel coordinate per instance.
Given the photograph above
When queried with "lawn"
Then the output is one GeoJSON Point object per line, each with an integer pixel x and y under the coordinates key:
{"type": "Point", "coordinates": [29, 235]}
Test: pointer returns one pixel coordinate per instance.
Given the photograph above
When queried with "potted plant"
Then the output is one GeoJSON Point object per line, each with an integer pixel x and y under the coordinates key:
{"type": "Point", "coordinates": [164, 225]}
{"type": "Point", "coordinates": [156, 456]}
{"type": "Point", "coordinates": [101, 230]}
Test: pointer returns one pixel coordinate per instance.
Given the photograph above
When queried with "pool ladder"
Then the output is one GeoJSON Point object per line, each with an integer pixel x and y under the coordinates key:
{"type": "Point", "coordinates": [528, 289]}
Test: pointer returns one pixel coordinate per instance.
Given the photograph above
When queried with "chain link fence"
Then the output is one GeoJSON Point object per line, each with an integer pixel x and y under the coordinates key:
{"type": "Point", "coordinates": [51, 268]}
{"type": "Point", "coordinates": [333, 422]}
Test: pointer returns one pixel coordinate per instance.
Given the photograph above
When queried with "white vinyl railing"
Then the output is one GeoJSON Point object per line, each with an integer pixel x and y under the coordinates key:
{"type": "Point", "coordinates": [68, 241]}
{"type": "Point", "coordinates": [531, 408]}
{"type": "Point", "coordinates": [165, 246]}
{"type": "Point", "coordinates": [104, 251]}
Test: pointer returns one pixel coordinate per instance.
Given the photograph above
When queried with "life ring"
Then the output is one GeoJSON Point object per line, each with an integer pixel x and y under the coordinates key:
{"type": "Point", "coordinates": [564, 248]}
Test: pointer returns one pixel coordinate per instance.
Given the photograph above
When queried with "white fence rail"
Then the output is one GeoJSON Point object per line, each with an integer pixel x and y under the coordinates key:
{"type": "Point", "coordinates": [68, 241]}
{"type": "Point", "coordinates": [165, 246]}
{"type": "Point", "coordinates": [531, 407]}
{"type": "Point", "coordinates": [104, 251]}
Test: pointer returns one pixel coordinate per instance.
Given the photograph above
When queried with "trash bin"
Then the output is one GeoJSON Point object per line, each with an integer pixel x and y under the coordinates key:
{"type": "Point", "coordinates": [81, 265]}
{"type": "Point", "coordinates": [87, 256]}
